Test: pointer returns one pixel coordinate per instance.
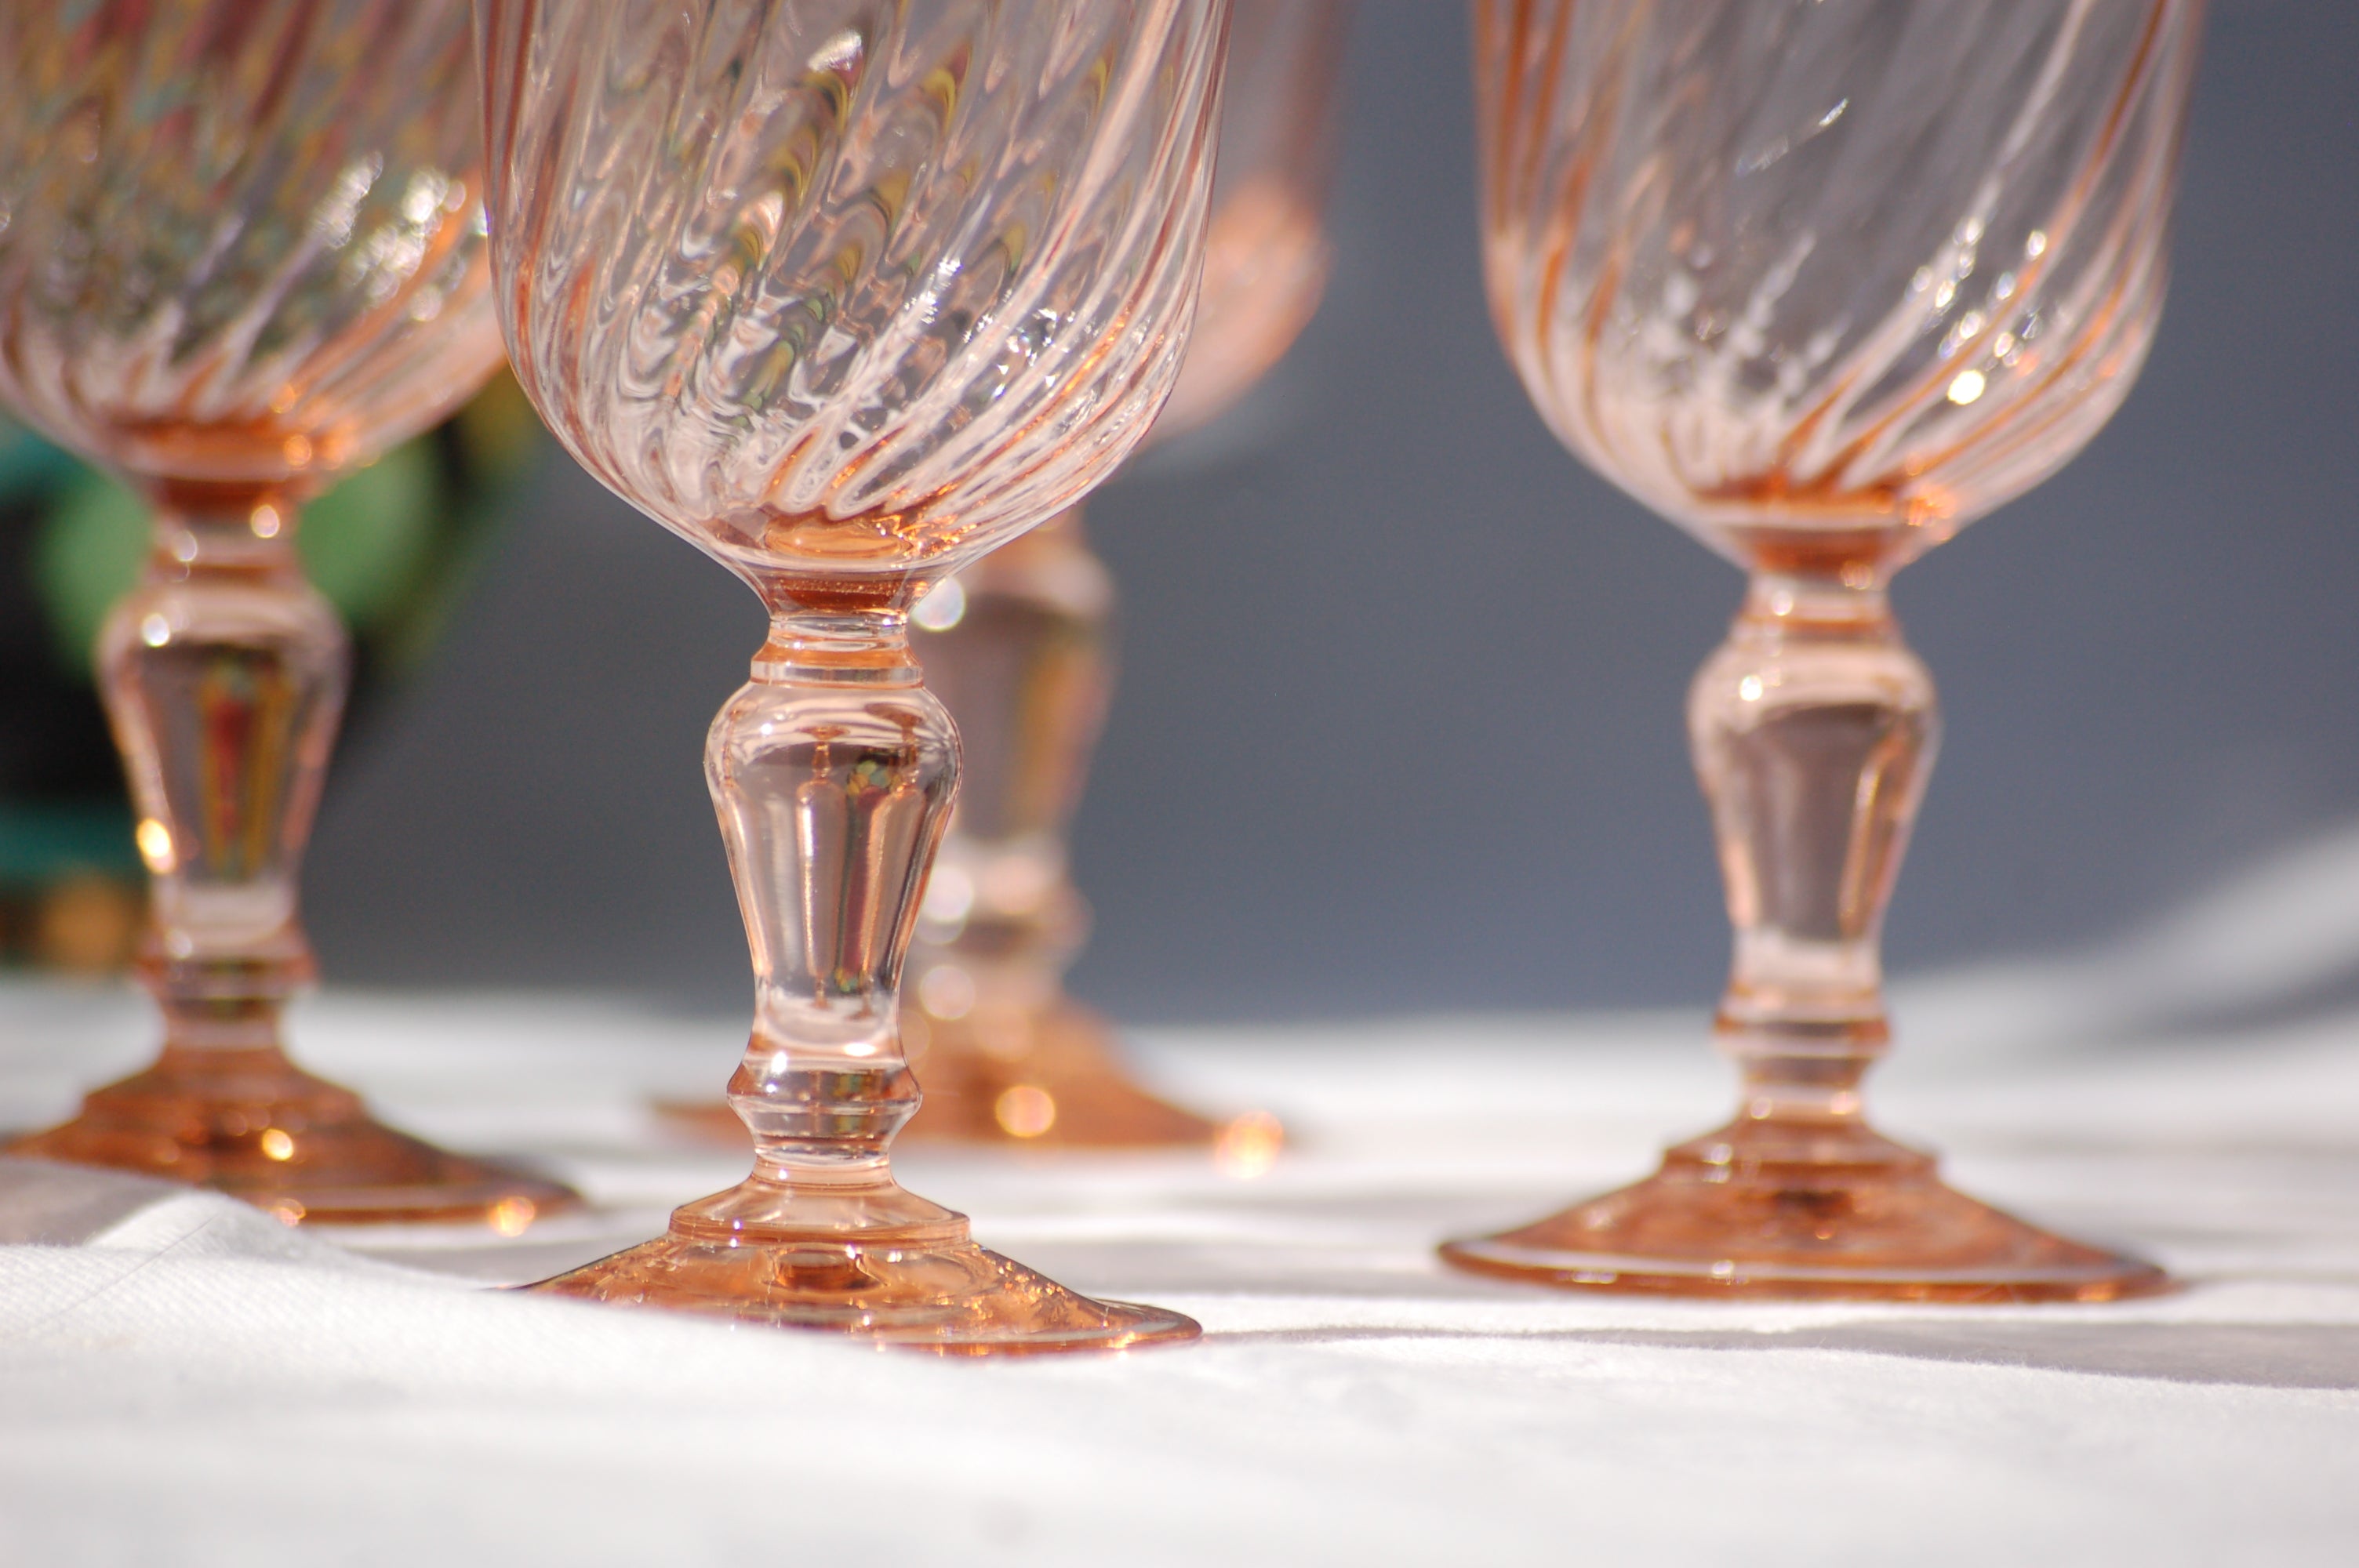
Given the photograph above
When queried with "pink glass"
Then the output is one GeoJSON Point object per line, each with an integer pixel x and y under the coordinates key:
{"type": "Point", "coordinates": [1821, 283]}
{"type": "Point", "coordinates": [846, 293]}
{"type": "Point", "coordinates": [241, 253]}
{"type": "Point", "coordinates": [1020, 647]}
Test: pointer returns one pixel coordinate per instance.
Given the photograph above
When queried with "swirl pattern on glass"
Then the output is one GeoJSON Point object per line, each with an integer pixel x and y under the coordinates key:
{"type": "Point", "coordinates": [1825, 282]}
{"type": "Point", "coordinates": [848, 290]}
{"type": "Point", "coordinates": [240, 239]}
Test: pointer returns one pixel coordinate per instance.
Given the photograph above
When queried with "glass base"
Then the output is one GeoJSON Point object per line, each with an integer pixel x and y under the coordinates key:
{"type": "Point", "coordinates": [923, 1284]}
{"type": "Point", "coordinates": [251, 1124]}
{"type": "Point", "coordinates": [1063, 1087]}
{"type": "Point", "coordinates": [1058, 1082]}
{"type": "Point", "coordinates": [1825, 1210]}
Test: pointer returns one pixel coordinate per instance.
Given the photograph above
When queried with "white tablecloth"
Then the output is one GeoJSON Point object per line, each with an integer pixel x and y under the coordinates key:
{"type": "Point", "coordinates": [184, 1383]}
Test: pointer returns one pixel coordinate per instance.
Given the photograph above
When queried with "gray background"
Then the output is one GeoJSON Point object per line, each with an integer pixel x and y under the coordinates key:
{"type": "Point", "coordinates": [1400, 720]}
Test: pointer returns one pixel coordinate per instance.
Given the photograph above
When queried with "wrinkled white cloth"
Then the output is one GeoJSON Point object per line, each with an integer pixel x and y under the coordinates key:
{"type": "Point", "coordinates": [185, 1382]}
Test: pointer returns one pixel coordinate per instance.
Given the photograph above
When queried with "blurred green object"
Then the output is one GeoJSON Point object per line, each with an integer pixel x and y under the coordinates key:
{"type": "Point", "coordinates": [44, 840]}
{"type": "Point", "coordinates": [378, 544]}
{"type": "Point", "coordinates": [392, 545]}
{"type": "Point", "coordinates": [29, 464]}
{"type": "Point", "coordinates": [364, 544]}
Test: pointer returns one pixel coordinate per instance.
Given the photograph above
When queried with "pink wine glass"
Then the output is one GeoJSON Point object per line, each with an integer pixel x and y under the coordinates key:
{"type": "Point", "coordinates": [1020, 648]}
{"type": "Point", "coordinates": [241, 253]}
{"type": "Point", "coordinates": [846, 293]}
{"type": "Point", "coordinates": [1821, 283]}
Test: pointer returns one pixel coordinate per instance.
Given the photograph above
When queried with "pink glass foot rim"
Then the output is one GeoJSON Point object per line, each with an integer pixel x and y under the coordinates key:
{"type": "Point", "coordinates": [1054, 1081]}
{"type": "Point", "coordinates": [1063, 1087]}
{"type": "Point", "coordinates": [1720, 1219]}
{"type": "Point", "coordinates": [918, 1286]}
{"type": "Point", "coordinates": [251, 1124]}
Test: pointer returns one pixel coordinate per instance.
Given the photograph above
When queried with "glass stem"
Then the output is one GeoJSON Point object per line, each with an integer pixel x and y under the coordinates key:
{"type": "Point", "coordinates": [833, 770]}
{"type": "Point", "coordinates": [1019, 648]}
{"type": "Point", "coordinates": [223, 676]}
{"type": "Point", "coordinates": [1814, 727]}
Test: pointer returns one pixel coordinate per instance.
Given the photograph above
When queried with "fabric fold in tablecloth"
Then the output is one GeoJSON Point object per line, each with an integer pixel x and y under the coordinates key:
{"type": "Point", "coordinates": [185, 1381]}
